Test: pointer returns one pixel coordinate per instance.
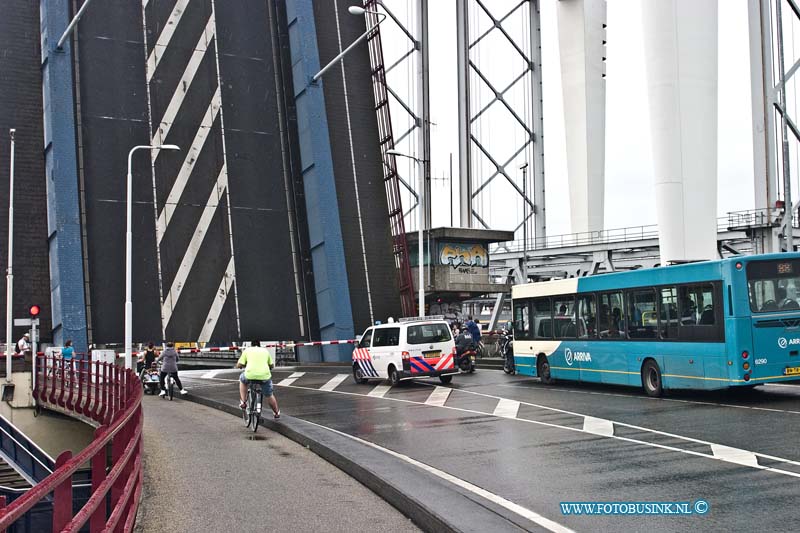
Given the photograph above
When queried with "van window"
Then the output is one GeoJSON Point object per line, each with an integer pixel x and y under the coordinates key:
{"type": "Point", "coordinates": [428, 333]}
{"type": "Point", "coordinates": [366, 339]}
{"type": "Point", "coordinates": [386, 337]}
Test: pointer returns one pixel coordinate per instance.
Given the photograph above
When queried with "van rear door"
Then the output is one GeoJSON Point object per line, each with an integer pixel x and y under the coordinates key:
{"type": "Point", "coordinates": [430, 347]}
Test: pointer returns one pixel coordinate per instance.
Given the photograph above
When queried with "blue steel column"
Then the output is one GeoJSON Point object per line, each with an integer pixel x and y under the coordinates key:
{"type": "Point", "coordinates": [324, 224]}
{"type": "Point", "coordinates": [63, 211]}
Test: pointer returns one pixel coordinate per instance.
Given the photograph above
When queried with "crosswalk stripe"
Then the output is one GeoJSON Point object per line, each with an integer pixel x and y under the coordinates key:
{"type": "Point", "coordinates": [506, 408]}
{"type": "Point", "coordinates": [598, 426]}
{"type": "Point", "coordinates": [734, 455]}
{"type": "Point", "coordinates": [439, 396]}
{"type": "Point", "coordinates": [334, 382]}
{"type": "Point", "coordinates": [298, 375]}
{"type": "Point", "coordinates": [286, 382]}
{"type": "Point", "coordinates": [379, 391]}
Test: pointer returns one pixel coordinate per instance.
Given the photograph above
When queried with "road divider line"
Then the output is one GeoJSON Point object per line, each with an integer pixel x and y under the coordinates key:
{"type": "Point", "coordinates": [334, 382]}
{"type": "Point", "coordinates": [379, 391]}
{"type": "Point", "coordinates": [439, 396]}
{"type": "Point", "coordinates": [506, 408]}
{"type": "Point", "coordinates": [598, 426]}
{"type": "Point", "coordinates": [515, 508]}
{"type": "Point", "coordinates": [735, 455]}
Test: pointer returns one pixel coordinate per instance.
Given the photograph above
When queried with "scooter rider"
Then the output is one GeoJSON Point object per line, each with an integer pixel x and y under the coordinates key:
{"type": "Point", "coordinates": [465, 347]}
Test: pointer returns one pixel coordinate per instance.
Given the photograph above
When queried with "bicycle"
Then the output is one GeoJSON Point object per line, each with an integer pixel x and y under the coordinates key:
{"type": "Point", "coordinates": [252, 412]}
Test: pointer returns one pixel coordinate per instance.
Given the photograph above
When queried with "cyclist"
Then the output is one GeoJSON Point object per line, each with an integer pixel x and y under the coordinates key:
{"type": "Point", "coordinates": [147, 358]}
{"type": "Point", "coordinates": [169, 365]}
{"type": "Point", "coordinates": [257, 363]}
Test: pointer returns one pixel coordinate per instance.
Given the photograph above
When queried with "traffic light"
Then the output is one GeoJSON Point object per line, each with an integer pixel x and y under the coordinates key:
{"type": "Point", "coordinates": [34, 311]}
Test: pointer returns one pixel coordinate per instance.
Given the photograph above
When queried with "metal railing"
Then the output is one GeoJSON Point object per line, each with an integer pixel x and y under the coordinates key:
{"type": "Point", "coordinates": [111, 396]}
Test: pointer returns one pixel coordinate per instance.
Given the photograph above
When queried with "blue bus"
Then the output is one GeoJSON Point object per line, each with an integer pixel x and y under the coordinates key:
{"type": "Point", "coordinates": [734, 322]}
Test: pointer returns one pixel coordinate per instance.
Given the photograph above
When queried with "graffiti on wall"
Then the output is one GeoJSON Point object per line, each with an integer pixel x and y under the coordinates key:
{"type": "Point", "coordinates": [463, 255]}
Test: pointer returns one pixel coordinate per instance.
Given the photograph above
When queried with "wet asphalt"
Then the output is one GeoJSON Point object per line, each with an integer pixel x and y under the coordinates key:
{"type": "Point", "coordinates": [551, 450]}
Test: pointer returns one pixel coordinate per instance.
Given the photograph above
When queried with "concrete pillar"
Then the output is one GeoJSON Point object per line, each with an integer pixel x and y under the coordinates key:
{"type": "Point", "coordinates": [680, 41]}
{"type": "Point", "coordinates": [581, 38]}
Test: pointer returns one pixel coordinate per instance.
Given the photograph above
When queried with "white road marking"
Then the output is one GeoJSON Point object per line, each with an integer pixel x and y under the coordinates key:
{"type": "Point", "coordinates": [291, 379]}
{"type": "Point", "coordinates": [724, 458]}
{"type": "Point", "coordinates": [334, 382]}
{"type": "Point", "coordinates": [213, 373]}
{"type": "Point", "coordinates": [379, 391]}
{"type": "Point", "coordinates": [647, 398]}
{"type": "Point", "coordinates": [506, 408]}
{"type": "Point", "coordinates": [735, 455]}
{"type": "Point", "coordinates": [598, 426]}
{"type": "Point", "coordinates": [439, 396]}
{"type": "Point", "coordinates": [466, 485]}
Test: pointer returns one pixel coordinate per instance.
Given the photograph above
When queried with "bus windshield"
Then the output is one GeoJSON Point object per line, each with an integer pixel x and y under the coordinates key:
{"type": "Point", "coordinates": [774, 285]}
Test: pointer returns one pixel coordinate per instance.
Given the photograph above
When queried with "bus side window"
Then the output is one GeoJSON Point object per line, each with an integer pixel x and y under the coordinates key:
{"type": "Point", "coordinates": [611, 326]}
{"type": "Point", "coordinates": [668, 313]}
{"type": "Point", "coordinates": [642, 317]}
{"type": "Point", "coordinates": [587, 319]}
{"type": "Point", "coordinates": [541, 319]}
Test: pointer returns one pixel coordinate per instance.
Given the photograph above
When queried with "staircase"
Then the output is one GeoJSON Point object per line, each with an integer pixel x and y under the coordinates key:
{"type": "Point", "coordinates": [390, 178]}
{"type": "Point", "coordinates": [10, 478]}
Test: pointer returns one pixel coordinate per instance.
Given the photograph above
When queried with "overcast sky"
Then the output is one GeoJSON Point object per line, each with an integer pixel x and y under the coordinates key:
{"type": "Point", "coordinates": [629, 173]}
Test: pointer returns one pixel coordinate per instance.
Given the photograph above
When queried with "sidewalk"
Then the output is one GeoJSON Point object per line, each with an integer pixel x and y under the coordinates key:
{"type": "Point", "coordinates": [203, 471]}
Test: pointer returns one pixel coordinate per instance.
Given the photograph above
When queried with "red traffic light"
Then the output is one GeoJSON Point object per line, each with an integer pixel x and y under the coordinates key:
{"type": "Point", "coordinates": [34, 310]}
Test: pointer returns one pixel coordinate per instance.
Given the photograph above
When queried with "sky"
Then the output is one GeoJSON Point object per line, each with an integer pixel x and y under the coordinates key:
{"type": "Point", "coordinates": [629, 199]}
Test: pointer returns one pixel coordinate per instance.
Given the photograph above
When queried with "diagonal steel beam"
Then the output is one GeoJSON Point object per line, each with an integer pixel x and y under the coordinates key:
{"type": "Point", "coordinates": [503, 92]}
{"type": "Point", "coordinates": [504, 32]}
{"type": "Point", "coordinates": [500, 98]}
{"type": "Point", "coordinates": [497, 172]}
{"type": "Point", "coordinates": [501, 169]}
{"type": "Point", "coordinates": [501, 21]}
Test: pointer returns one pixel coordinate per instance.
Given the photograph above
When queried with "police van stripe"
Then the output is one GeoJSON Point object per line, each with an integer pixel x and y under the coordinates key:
{"type": "Point", "coordinates": [371, 368]}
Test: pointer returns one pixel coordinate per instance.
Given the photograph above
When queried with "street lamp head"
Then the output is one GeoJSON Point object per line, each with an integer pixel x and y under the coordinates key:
{"type": "Point", "coordinates": [167, 147]}
{"type": "Point", "coordinates": [356, 10]}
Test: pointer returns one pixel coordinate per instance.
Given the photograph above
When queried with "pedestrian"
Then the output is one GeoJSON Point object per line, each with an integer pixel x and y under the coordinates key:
{"type": "Point", "coordinates": [24, 344]}
{"type": "Point", "coordinates": [258, 364]}
{"type": "Point", "coordinates": [68, 355]}
{"type": "Point", "coordinates": [474, 329]}
{"type": "Point", "coordinates": [169, 365]}
{"type": "Point", "coordinates": [147, 358]}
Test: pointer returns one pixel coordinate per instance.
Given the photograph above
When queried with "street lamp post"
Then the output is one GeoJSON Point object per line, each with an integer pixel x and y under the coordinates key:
{"type": "Point", "coordinates": [420, 209]}
{"type": "Point", "coordinates": [129, 249]}
{"type": "Point", "coordinates": [358, 11]}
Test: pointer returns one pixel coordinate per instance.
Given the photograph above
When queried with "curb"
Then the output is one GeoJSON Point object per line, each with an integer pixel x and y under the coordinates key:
{"type": "Point", "coordinates": [412, 508]}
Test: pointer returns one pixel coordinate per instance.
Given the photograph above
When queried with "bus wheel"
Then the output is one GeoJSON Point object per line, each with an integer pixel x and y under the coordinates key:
{"type": "Point", "coordinates": [394, 377]}
{"type": "Point", "coordinates": [358, 375]}
{"type": "Point", "coordinates": [651, 379]}
{"type": "Point", "coordinates": [543, 370]}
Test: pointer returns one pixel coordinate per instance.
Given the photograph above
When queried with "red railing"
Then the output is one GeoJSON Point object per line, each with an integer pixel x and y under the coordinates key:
{"type": "Point", "coordinates": [112, 397]}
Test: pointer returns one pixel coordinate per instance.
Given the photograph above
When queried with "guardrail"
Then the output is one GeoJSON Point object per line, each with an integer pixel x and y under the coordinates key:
{"type": "Point", "coordinates": [111, 396]}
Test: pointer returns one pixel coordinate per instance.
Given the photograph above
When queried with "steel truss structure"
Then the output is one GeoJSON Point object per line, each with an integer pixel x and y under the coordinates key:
{"type": "Point", "coordinates": [498, 105]}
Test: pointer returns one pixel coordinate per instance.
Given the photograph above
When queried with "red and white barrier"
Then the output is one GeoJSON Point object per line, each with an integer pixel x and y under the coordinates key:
{"type": "Point", "coordinates": [269, 345]}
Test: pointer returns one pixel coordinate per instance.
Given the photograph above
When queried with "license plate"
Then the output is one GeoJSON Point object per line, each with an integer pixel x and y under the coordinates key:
{"type": "Point", "coordinates": [792, 371]}
{"type": "Point", "coordinates": [431, 355]}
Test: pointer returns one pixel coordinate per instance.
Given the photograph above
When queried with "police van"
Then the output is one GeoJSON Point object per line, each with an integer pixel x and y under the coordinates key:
{"type": "Point", "coordinates": [410, 348]}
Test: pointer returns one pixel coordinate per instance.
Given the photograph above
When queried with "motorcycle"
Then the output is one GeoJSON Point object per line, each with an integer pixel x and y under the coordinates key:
{"type": "Point", "coordinates": [150, 381]}
{"type": "Point", "coordinates": [465, 353]}
{"type": "Point", "coordinates": [506, 343]}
